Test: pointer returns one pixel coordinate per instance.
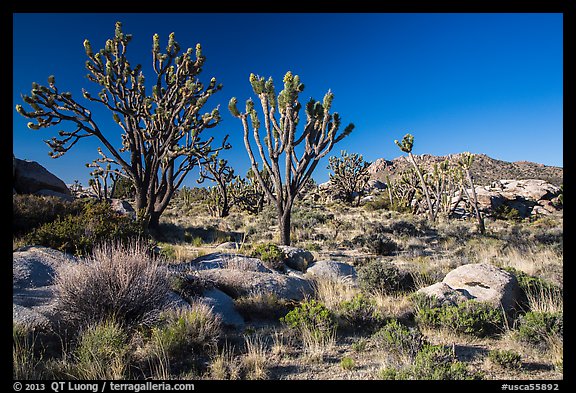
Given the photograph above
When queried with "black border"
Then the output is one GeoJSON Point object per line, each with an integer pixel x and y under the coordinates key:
{"type": "Point", "coordinates": [358, 6]}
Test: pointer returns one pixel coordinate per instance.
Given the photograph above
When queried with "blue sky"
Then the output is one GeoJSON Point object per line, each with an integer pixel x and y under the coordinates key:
{"type": "Point", "coordinates": [485, 83]}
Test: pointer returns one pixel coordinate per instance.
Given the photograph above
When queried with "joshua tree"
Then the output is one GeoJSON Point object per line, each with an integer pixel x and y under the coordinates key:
{"type": "Point", "coordinates": [465, 162]}
{"type": "Point", "coordinates": [320, 134]}
{"type": "Point", "coordinates": [161, 130]}
{"type": "Point", "coordinates": [247, 194]}
{"type": "Point", "coordinates": [406, 146]}
{"type": "Point", "coordinates": [220, 173]}
{"type": "Point", "coordinates": [350, 175]}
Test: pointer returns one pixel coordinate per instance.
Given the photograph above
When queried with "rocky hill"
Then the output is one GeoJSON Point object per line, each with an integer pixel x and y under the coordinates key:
{"type": "Point", "coordinates": [484, 169]}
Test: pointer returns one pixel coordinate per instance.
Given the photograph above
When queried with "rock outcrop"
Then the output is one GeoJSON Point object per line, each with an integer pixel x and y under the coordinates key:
{"type": "Point", "coordinates": [33, 300]}
{"type": "Point", "coordinates": [479, 281]}
{"type": "Point", "coordinates": [236, 283]}
{"type": "Point", "coordinates": [32, 178]}
{"type": "Point", "coordinates": [332, 270]}
{"type": "Point", "coordinates": [528, 197]}
{"type": "Point", "coordinates": [297, 258]}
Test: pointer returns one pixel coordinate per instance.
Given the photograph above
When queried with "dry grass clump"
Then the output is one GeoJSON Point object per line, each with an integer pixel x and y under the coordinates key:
{"type": "Point", "coordinates": [124, 283]}
{"type": "Point", "coordinates": [25, 363]}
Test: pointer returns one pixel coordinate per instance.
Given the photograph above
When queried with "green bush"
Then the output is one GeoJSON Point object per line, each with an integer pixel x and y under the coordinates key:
{"type": "Point", "coordinates": [530, 284]}
{"type": "Point", "coordinates": [347, 363]}
{"type": "Point", "coordinates": [379, 244]}
{"type": "Point", "coordinates": [79, 233]}
{"type": "Point", "coordinates": [102, 352]}
{"type": "Point", "coordinates": [270, 254]}
{"type": "Point", "coordinates": [436, 362]}
{"type": "Point", "coordinates": [312, 316]}
{"type": "Point", "coordinates": [505, 212]}
{"type": "Point", "coordinates": [432, 362]}
{"type": "Point", "coordinates": [185, 330]}
{"type": "Point", "coordinates": [399, 339]}
{"type": "Point", "coordinates": [505, 358]}
{"type": "Point", "coordinates": [470, 317]}
{"type": "Point", "coordinates": [32, 211]}
{"type": "Point", "coordinates": [535, 327]}
{"type": "Point", "coordinates": [382, 276]}
{"type": "Point", "coordinates": [360, 313]}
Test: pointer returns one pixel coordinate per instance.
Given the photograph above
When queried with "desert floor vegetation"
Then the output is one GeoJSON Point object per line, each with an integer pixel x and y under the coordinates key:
{"type": "Point", "coordinates": [376, 328]}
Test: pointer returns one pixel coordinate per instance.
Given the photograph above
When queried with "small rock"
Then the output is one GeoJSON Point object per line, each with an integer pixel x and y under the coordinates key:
{"type": "Point", "coordinates": [487, 283]}
{"type": "Point", "coordinates": [228, 246]}
{"type": "Point", "coordinates": [334, 270]}
{"type": "Point", "coordinates": [445, 294]}
{"type": "Point", "coordinates": [223, 305]}
{"type": "Point", "coordinates": [122, 207]}
{"type": "Point", "coordinates": [297, 258]}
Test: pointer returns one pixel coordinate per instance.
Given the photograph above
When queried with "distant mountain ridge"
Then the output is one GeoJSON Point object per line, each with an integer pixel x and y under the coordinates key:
{"type": "Point", "coordinates": [485, 169]}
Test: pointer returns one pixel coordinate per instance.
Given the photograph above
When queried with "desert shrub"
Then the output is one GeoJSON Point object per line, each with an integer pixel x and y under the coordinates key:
{"type": "Point", "coordinates": [383, 276]}
{"type": "Point", "coordinates": [270, 254]}
{"type": "Point", "coordinates": [168, 252]}
{"type": "Point", "coordinates": [311, 316]}
{"type": "Point", "coordinates": [347, 363]}
{"type": "Point", "coordinates": [531, 284]}
{"type": "Point", "coordinates": [432, 362]}
{"type": "Point", "coordinates": [188, 285]}
{"type": "Point", "coordinates": [80, 233]}
{"type": "Point", "coordinates": [436, 362]}
{"type": "Point", "coordinates": [535, 328]}
{"type": "Point", "coordinates": [263, 305]}
{"type": "Point", "coordinates": [359, 345]}
{"type": "Point", "coordinates": [391, 374]}
{"type": "Point", "coordinates": [309, 218]}
{"type": "Point", "coordinates": [382, 202]}
{"type": "Point", "coordinates": [459, 231]}
{"type": "Point", "coordinates": [470, 317]}
{"type": "Point", "coordinates": [533, 287]}
{"type": "Point", "coordinates": [32, 211]}
{"type": "Point", "coordinates": [505, 358]}
{"type": "Point", "coordinates": [509, 213]}
{"type": "Point", "coordinates": [183, 331]}
{"type": "Point", "coordinates": [120, 282]}
{"type": "Point", "coordinates": [102, 352]}
{"type": "Point", "coordinates": [404, 228]}
{"type": "Point", "coordinates": [399, 339]}
{"type": "Point", "coordinates": [379, 244]}
{"type": "Point", "coordinates": [359, 313]}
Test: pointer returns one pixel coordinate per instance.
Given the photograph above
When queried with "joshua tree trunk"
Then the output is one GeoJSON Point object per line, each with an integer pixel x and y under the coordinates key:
{"type": "Point", "coordinates": [474, 201]}
{"type": "Point", "coordinates": [431, 214]}
{"type": "Point", "coordinates": [284, 224]}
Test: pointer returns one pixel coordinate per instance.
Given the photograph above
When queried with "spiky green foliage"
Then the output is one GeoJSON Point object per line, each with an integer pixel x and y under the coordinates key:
{"type": "Point", "coordinates": [162, 125]}
{"type": "Point", "coordinates": [349, 176]}
{"type": "Point", "coordinates": [281, 115]}
{"type": "Point", "coordinates": [406, 146]}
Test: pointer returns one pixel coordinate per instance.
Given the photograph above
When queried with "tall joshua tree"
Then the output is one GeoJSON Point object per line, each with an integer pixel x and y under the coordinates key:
{"type": "Point", "coordinates": [350, 175]}
{"type": "Point", "coordinates": [318, 137]}
{"type": "Point", "coordinates": [161, 130]}
{"type": "Point", "coordinates": [465, 162]}
{"type": "Point", "coordinates": [406, 146]}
